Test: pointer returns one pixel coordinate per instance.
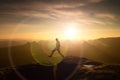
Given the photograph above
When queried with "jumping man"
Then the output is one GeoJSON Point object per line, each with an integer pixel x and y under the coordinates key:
{"type": "Point", "coordinates": [57, 48]}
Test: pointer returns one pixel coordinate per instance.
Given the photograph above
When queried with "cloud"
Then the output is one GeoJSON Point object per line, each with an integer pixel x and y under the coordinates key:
{"type": "Point", "coordinates": [86, 11]}
{"type": "Point", "coordinates": [106, 15]}
{"type": "Point", "coordinates": [96, 1]}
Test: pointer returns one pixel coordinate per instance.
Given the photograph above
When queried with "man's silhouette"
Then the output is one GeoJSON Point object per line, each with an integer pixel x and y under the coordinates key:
{"type": "Point", "coordinates": [57, 48]}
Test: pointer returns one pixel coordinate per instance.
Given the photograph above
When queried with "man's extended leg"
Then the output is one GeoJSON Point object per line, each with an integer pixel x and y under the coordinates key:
{"type": "Point", "coordinates": [52, 52]}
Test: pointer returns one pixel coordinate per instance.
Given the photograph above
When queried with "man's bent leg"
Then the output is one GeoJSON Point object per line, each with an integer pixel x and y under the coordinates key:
{"type": "Point", "coordinates": [60, 52]}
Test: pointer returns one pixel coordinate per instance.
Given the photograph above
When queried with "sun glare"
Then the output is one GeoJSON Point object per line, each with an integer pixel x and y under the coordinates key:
{"type": "Point", "coordinates": [71, 31]}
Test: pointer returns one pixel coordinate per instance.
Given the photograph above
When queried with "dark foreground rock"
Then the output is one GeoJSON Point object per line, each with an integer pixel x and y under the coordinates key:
{"type": "Point", "coordinates": [71, 68]}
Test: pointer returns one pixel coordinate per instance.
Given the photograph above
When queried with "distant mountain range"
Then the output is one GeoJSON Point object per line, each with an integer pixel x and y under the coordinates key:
{"type": "Point", "coordinates": [105, 50]}
{"type": "Point", "coordinates": [6, 43]}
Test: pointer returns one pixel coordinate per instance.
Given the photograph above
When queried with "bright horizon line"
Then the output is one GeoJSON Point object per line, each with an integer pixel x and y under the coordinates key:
{"type": "Point", "coordinates": [54, 39]}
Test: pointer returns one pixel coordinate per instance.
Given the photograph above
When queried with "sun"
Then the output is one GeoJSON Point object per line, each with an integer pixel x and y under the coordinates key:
{"type": "Point", "coordinates": [71, 32]}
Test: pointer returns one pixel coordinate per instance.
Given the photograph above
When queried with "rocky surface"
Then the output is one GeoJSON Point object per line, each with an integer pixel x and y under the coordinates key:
{"type": "Point", "coordinates": [71, 68]}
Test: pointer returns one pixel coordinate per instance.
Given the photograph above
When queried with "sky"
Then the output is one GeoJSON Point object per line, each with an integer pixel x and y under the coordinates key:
{"type": "Point", "coordinates": [47, 19]}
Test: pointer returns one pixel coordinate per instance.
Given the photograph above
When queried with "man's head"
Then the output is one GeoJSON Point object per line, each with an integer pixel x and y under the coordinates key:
{"type": "Point", "coordinates": [56, 39]}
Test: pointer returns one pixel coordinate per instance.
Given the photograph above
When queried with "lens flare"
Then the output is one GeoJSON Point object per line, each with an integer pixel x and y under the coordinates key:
{"type": "Point", "coordinates": [41, 51]}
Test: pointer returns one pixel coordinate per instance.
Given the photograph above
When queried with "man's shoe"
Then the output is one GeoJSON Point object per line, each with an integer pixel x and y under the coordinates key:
{"type": "Point", "coordinates": [49, 56]}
